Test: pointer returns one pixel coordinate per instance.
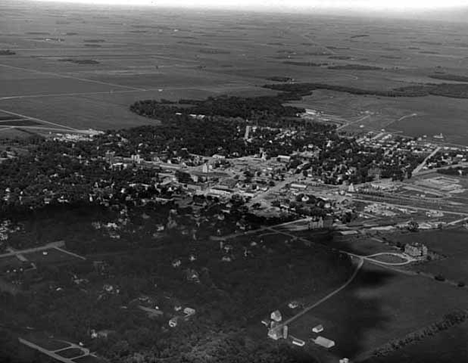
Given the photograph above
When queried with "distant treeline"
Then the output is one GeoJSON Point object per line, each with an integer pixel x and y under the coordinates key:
{"type": "Point", "coordinates": [6, 52]}
{"type": "Point", "coordinates": [298, 90]}
{"type": "Point", "coordinates": [450, 77]}
{"type": "Point", "coordinates": [356, 67]}
{"type": "Point", "coordinates": [304, 64]}
{"type": "Point", "coordinates": [280, 79]}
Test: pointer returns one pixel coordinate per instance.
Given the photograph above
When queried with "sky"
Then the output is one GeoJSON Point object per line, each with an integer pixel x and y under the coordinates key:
{"type": "Point", "coordinates": [356, 5]}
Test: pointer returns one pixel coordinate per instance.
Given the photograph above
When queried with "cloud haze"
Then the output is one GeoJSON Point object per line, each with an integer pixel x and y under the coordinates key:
{"type": "Point", "coordinates": [372, 5]}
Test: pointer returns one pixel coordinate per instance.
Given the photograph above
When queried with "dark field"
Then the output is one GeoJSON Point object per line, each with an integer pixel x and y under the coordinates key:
{"type": "Point", "coordinates": [128, 55]}
{"type": "Point", "coordinates": [380, 305]}
{"type": "Point", "coordinates": [445, 347]}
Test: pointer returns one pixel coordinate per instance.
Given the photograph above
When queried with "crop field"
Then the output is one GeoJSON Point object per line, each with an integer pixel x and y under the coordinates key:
{"type": "Point", "coordinates": [380, 305]}
{"type": "Point", "coordinates": [125, 56]}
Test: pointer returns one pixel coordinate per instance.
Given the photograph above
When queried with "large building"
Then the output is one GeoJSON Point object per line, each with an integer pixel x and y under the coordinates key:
{"type": "Point", "coordinates": [416, 250]}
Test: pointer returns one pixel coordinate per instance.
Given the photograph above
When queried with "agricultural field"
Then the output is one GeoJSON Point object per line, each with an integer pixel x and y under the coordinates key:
{"type": "Point", "coordinates": [60, 71]}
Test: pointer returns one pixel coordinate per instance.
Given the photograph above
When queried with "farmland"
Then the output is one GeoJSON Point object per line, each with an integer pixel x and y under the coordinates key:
{"type": "Point", "coordinates": [58, 70]}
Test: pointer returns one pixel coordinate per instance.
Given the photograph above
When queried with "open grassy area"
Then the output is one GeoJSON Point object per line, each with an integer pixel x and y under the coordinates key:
{"type": "Point", "coordinates": [45, 342]}
{"type": "Point", "coordinates": [380, 305]}
{"type": "Point", "coordinates": [50, 256]}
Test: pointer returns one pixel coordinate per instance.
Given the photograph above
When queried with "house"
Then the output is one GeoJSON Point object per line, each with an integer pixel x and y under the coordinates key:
{"type": "Point", "coordinates": [298, 186]}
{"type": "Point", "coordinates": [276, 316]}
{"type": "Point", "coordinates": [318, 329]}
{"type": "Point", "coordinates": [221, 191]}
{"type": "Point", "coordinates": [416, 250]}
{"type": "Point", "coordinates": [189, 312]}
{"type": "Point", "coordinates": [283, 158]}
{"type": "Point", "coordinates": [277, 331]}
{"type": "Point", "coordinates": [173, 321]}
{"type": "Point", "coordinates": [324, 342]}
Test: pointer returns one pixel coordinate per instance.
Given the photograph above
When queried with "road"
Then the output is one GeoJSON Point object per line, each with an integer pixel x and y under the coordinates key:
{"type": "Point", "coordinates": [423, 164]}
{"type": "Point", "coordinates": [53, 353]}
{"type": "Point", "coordinates": [353, 122]}
{"type": "Point", "coordinates": [413, 207]}
{"type": "Point", "coordinates": [401, 118]}
{"type": "Point", "coordinates": [254, 231]}
{"type": "Point", "coordinates": [71, 77]}
{"type": "Point", "coordinates": [322, 300]}
{"type": "Point", "coordinates": [62, 127]}
{"type": "Point", "coordinates": [35, 249]}
{"type": "Point", "coordinates": [462, 164]}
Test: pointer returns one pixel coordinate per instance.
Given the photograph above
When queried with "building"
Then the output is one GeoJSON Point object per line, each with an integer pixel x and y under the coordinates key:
{"type": "Point", "coordinates": [173, 321]}
{"type": "Point", "coordinates": [318, 329]}
{"type": "Point", "coordinates": [416, 250]}
{"type": "Point", "coordinates": [298, 342]}
{"type": "Point", "coordinates": [221, 191]}
{"type": "Point", "coordinates": [298, 186]}
{"type": "Point", "coordinates": [283, 158]}
{"type": "Point", "coordinates": [276, 331]}
{"type": "Point", "coordinates": [324, 342]}
{"type": "Point", "coordinates": [276, 316]}
{"type": "Point", "coordinates": [247, 132]}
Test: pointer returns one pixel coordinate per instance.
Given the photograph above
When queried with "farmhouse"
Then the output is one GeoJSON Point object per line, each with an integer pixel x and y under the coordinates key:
{"type": "Point", "coordinates": [416, 250]}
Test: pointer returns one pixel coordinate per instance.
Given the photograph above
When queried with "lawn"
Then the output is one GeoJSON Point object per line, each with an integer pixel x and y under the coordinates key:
{"type": "Point", "coordinates": [53, 256]}
{"type": "Point", "coordinates": [70, 353]}
{"type": "Point", "coordinates": [451, 245]}
{"type": "Point", "coordinates": [88, 359]}
{"type": "Point", "coordinates": [8, 263]}
{"type": "Point", "coordinates": [43, 341]}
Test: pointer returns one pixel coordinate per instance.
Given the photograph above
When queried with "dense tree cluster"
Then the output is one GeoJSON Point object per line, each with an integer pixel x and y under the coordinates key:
{"type": "Point", "coordinates": [230, 296]}
{"type": "Point", "coordinates": [245, 108]}
{"type": "Point", "coordinates": [420, 90]}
